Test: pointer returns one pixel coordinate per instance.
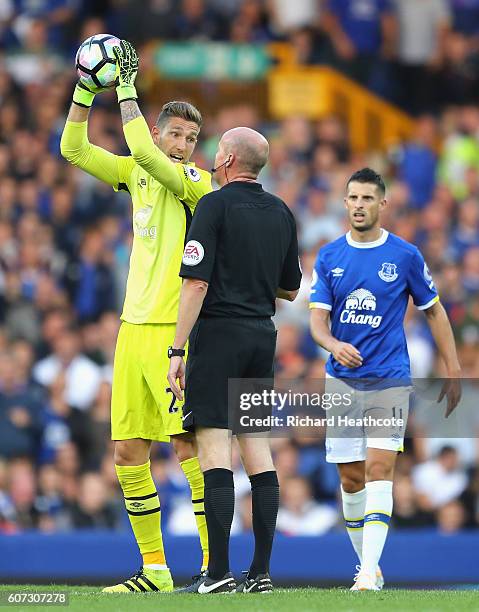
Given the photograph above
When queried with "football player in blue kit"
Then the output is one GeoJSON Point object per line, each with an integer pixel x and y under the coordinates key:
{"type": "Point", "coordinates": [359, 295]}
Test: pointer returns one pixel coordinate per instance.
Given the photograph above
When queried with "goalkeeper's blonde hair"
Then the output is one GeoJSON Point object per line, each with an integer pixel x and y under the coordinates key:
{"type": "Point", "coordinates": [181, 109]}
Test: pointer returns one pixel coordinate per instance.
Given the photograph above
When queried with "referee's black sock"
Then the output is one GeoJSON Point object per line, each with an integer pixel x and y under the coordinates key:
{"type": "Point", "coordinates": [265, 493]}
{"type": "Point", "coordinates": [219, 508]}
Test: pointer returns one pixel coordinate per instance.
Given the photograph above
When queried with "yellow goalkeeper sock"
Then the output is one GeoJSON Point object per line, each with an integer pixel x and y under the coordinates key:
{"type": "Point", "coordinates": [192, 471]}
{"type": "Point", "coordinates": [143, 507]}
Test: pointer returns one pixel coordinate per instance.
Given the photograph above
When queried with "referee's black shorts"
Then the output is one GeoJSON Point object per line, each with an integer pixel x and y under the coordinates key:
{"type": "Point", "coordinates": [220, 349]}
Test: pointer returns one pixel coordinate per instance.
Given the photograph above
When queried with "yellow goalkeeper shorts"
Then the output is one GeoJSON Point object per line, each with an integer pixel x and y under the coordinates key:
{"type": "Point", "coordinates": [141, 406]}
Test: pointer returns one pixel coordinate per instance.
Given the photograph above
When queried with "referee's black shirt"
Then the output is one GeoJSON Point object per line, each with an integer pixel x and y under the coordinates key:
{"type": "Point", "coordinates": [243, 242]}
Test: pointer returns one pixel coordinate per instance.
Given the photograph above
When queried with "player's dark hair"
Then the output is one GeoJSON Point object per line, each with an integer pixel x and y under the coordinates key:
{"type": "Point", "coordinates": [446, 450]}
{"type": "Point", "coordinates": [367, 175]}
{"type": "Point", "coordinates": [183, 110]}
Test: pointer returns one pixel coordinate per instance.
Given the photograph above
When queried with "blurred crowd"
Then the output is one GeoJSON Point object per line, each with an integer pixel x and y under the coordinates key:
{"type": "Point", "coordinates": [420, 55]}
{"type": "Point", "coordinates": [65, 240]}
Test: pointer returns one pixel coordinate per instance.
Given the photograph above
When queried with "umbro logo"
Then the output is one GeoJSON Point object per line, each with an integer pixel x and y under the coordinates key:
{"type": "Point", "coordinates": [136, 505]}
{"type": "Point", "coordinates": [337, 272]}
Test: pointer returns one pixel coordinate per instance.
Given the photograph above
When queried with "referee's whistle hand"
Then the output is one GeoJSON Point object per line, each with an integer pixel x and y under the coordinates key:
{"type": "Point", "coordinates": [176, 374]}
{"type": "Point", "coordinates": [347, 355]}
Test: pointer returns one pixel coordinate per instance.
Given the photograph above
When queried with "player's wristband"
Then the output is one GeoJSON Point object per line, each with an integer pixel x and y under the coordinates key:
{"type": "Point", "coordinates": [126, 92]}
{"type": "Point", "coordinates": [172, 352]}
{"type": "Point", "coordinates": [82, 96]}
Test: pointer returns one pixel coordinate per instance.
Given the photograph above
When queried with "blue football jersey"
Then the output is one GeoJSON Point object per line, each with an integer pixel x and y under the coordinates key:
{"type": "Point", "coordinates": [366, 286]}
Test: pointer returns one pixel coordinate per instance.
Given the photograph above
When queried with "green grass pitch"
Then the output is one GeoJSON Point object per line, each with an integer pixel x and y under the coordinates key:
{"type": "Point", "coordinates": [88, 598]}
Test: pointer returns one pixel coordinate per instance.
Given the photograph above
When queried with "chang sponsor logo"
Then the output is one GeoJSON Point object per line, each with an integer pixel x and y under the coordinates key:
{"type": "Point", "coordinates": [147, 232]}
{"type": "Point", "coordinates": [364, 301]}
{"type": "Point", "coordinates": [140, 222]}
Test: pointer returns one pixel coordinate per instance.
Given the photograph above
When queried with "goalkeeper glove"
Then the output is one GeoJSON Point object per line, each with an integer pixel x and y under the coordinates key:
{"type": "Point", "coordinates": [82, 95]}
{"type": "Point", "coordinates": [127, 62]}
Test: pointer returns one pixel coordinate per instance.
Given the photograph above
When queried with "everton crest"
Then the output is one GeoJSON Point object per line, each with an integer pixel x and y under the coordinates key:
{"type": "Point", "coordinates": [388, 272]}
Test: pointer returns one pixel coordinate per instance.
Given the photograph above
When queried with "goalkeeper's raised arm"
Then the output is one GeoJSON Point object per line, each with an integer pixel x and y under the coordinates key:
{"type": "Point", "coordinates": [77, 149]}
{"type": "Point", "coordinates": [164, 151]}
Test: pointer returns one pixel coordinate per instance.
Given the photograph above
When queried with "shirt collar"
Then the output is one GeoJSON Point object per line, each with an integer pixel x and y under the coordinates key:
{"type": "Point", "coordinates": [368, 245]}
{"type": "Point", "coordinates": [250, 184]}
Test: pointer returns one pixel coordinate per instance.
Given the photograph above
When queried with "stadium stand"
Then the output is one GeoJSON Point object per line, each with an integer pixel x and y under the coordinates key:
{"type": "Point", "coordinates": [65, 239]}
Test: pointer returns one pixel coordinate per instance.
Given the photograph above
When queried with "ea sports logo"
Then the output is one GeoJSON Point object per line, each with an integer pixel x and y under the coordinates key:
{"type": "Point", "coordinates": [193, 253]}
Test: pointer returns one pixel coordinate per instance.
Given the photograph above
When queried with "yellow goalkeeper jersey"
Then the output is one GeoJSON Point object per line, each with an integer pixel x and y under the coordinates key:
{"type": "Point", "coordinates": [164, 196]}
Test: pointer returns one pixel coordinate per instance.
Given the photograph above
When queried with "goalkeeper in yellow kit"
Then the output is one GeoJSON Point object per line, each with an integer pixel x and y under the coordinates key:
{"type": "Point", "coordinates": [165, 188]}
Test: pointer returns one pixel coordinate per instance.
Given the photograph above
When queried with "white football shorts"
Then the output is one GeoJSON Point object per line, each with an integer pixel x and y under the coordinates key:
{"type": "Point", "coordinates": [365, 419]}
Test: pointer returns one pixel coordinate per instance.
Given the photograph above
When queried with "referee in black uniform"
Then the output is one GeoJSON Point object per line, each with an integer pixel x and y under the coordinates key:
{"type": "Point", "coordinates": [241, 254]}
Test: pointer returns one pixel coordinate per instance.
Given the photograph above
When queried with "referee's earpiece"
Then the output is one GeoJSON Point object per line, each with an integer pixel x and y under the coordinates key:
{"type": "Point", "coordinates": [226, 163]}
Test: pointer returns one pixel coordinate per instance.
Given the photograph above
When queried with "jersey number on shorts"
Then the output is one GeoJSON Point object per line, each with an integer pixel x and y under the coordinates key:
{"type": "Point", "coordinates": [172, 407]}
{"type": "Point", "coordinates": [394, 412]}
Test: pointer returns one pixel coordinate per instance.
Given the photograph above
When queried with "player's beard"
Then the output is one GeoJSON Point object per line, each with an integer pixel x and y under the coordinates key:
{"type": "Point", "coordinates": [362, 228]}
{"type": "Point", "coordinates": [366, 225]}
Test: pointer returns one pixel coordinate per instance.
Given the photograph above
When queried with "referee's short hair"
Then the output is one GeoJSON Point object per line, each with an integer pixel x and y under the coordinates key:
{"type": "Point", "coordinates": [250, 148]}
{"type": "Point", "coordinates": [252, 159]}
{"type": "Point", "coordinates": [181, 109]}
{"type": "Point", "coordinates": [368, 175]}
